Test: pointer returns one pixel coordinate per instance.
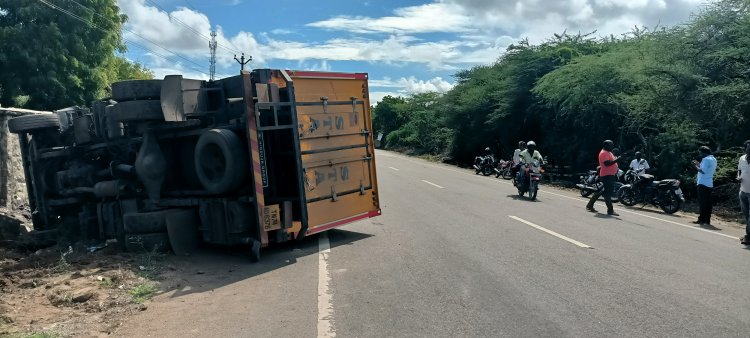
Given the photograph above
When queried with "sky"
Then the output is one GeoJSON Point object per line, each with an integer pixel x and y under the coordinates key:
{"type": "Point", "coordinates": [406, 46]}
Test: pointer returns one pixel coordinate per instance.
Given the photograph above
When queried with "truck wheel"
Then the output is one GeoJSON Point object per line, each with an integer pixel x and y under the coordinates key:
{"type": "Point", "coordinates": [146, 110]}
{"type": "Point", "coordinates": [221, 161]}
{"type": "Point", "coordinates": [157, 241]}
{"type": "Point", "coordinates": [27, 123]}
{"type": "Point", "coordinates": [136, 90]}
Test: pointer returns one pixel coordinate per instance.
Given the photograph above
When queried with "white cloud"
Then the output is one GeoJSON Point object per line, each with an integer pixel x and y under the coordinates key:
{"type": "Point", "coordinates": [376, 97]}
{"type": "Point", "coordinates": [471, 31]}
{"type": "Point", "coordinates": [410, 85]}
{"type": "Point", "coordinates": [280, 31]}
{"type": "Point", "coordinates": [433, 17]}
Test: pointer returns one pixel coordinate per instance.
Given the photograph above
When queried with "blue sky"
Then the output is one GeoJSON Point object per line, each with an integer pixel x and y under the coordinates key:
{"type": "Point", "coordinates": [406, 46]}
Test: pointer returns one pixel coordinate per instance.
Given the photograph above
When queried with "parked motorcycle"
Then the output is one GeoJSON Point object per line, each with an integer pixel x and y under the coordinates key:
{"type": "Point", "coordinates": [590, 183]}
{"type": "Point", "coordinates": [665, 194]}
{"type": "Point", "coordinates": [531, 175]}
{"type": "Point", "coordinates": [504, 169]}
{"type": "Point", "coordinates": [484, 165]}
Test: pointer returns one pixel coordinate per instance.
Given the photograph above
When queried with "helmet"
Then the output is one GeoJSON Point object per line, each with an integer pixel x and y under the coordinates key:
{"type": "Point", "coordinates": [487, 149]}
{"type": "Point", "coordinates": [531, 144]}
{"type": "Point", "coordinates": [523, 144]}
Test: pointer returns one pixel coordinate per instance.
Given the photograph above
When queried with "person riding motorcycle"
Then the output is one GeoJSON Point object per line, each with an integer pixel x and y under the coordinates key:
{"type": "Point", "coordinates": [527, 157]}
{"type": "Point", "coordinates": [517, 152]}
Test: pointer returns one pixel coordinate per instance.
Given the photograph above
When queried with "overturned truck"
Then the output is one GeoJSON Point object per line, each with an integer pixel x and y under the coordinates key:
{"type": "Point", "coordinates": [264, 157]}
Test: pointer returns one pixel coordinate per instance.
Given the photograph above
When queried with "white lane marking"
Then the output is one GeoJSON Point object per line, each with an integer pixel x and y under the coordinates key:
{"type": "Point", "coordinates": [568, 197]}
{"type": "Point", "coordinates": [538, 227]}
{"type": "Point", "coordinates": [652, 217]}
{"type": "Point", "coordinates": [325, 301]}
{"type": "Point", "coordinates": [433, 184]}
{"type": "Point", "coordinates": [396, 169]}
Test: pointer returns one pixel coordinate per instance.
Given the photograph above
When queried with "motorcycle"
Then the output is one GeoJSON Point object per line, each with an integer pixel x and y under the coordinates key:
{"type": "Point", "coordinates": [531, 175]}
{"type": "Point", "coordinates": [504, 169]}
{"type": "Point", "coordinates": [665, 194]}
{"type": "Point", "coordinates": [590, 183]}
{"type": "Point", "coordinates": [484, 165]}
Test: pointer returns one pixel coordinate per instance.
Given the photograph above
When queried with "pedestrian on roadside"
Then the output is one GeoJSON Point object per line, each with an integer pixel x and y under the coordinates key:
{"type": "Point", "coordinates": [608, 176]}
{"type": "Point", "coordinates": [743, 176]}
{"type": "Point", "coordinates": [705, 180]}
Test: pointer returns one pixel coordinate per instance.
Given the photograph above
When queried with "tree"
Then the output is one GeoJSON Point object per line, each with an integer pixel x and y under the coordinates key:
{"type": "Point", "coordinates": [49, 59]}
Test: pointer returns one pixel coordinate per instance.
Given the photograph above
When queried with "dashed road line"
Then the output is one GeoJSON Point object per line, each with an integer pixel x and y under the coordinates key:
{"type": "Point", "coordinates": [392, 168]}
{"type": "Point", "coordinates": [539, 227]}
{"type": "Point", "coordinates": [433, 184]}
{"type": "Point", "coordinates": [325, 295]}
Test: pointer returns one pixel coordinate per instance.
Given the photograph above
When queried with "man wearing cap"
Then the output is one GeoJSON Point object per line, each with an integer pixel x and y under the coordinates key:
{"type": "Point", "coordinates": [608, 176]}
{"type": "Point", "coordinates": [705, 180]}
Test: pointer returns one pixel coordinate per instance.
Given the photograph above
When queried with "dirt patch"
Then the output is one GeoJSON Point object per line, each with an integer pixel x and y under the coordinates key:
{"type": "Point", "coordinates": [74, 293]}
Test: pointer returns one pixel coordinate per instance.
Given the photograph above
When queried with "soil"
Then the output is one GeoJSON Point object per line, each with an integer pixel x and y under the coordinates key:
{"type": "Point", "coordinates": [71, 292]}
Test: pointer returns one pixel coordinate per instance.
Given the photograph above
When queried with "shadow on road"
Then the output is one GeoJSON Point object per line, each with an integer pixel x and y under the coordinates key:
{"type": "Point", "coordinates": [214, 267]}
{"type": "Point", "coordinates": [522, 198]}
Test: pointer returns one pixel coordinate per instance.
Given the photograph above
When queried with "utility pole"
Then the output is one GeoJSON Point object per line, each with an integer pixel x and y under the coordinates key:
{"type": "Point", "coordinates": [212, 45]}
{"type": "Point", "coordinates": [242, 61]}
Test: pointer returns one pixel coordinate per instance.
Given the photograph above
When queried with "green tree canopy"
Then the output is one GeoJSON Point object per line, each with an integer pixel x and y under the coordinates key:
{"type": "Point", "coordinates": [49, 59]}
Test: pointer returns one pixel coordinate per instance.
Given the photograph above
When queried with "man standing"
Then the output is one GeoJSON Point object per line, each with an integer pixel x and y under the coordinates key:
{"type": "Point", "coordinates": [743, 176]}
{"type": "Point", "coordinates": [608, 176]}
{"type": "Point", "coordinates": [639, 164]}
{"type": "Point", "coordinates": [705, 180]}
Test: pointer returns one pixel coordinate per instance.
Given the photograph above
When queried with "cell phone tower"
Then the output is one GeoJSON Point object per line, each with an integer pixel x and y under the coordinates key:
{"type": "Point", "coordinates": [212, 44]}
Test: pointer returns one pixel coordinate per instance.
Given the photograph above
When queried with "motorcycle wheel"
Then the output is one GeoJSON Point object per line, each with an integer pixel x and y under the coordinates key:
{"type": "Point", "coordinates": [670, 203]}
{"type": "Point", "coordinates": [586, 192]}
{"type": "Point", "coordinates": [487, 171]}
{"type": "Point", "coordinates": [627, 196]}
{"type": "Point", "coordinates": [533, 190]}
{"type": "Point", "coordinates": [616, 194]}
{"type": "Point", "coordinates": [507, 174]}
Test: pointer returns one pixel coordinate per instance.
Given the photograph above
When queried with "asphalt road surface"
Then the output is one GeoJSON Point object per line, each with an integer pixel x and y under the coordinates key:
{"type": "Point", "coordinates": [459, 255]}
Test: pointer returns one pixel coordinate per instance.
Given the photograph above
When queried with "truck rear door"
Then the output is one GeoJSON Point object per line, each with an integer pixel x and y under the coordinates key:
{"type": "Point", "coordinates": [337, 149]}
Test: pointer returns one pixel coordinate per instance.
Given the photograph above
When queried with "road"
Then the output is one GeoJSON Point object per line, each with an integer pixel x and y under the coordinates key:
{"type": "Point", "coordinates": [455, 254]}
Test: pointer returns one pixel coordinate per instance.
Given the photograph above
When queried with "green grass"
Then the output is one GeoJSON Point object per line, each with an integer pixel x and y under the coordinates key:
{"type": "Point", "coordinates": [106, 283]}
{"type": "Point", "coordinates": [143, 292]}
{"type": "Point", "coordinates": [152, 263]}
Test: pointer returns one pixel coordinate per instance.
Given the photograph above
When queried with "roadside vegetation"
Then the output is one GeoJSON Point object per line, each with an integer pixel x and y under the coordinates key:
{"type": "Point", "coordinates": [661, 90]}
{"type": "Point", "coordinates": [49, 60]}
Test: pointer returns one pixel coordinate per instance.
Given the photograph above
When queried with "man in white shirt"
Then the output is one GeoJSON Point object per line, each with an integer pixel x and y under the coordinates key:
{"type": "Point", "coordinates": [743, 176]}
{"type": "Point", "coordinates": [639, 165]}
{"type": "Point", "coordinates": [517, 152]}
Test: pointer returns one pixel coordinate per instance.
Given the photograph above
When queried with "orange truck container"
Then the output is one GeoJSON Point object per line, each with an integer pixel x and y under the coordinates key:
{"type": "Point", "coordinates": [264, 157]}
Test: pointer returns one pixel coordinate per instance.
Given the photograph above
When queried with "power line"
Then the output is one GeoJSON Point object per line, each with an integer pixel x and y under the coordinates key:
{"type": "Point", "coordinates": [91, 24]}
{"type": "Point", "coordinates": [131, 32]}
{"type": "Point", "coordinates": [172, 17]}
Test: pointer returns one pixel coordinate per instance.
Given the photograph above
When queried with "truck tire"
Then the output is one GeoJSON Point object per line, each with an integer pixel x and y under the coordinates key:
{"type": "Point", "coordinates": [221, 161]}
{"type": "Point", "coordinates": [131, 90]}
{"type": "Point", "coordinates": [27, 123]}
{"type": "Point", "coordinates": [157, 241]}
{"type": "Point", "coordinates": [130, 111]}
{"type": "Point", "coordinates": [145, 222]}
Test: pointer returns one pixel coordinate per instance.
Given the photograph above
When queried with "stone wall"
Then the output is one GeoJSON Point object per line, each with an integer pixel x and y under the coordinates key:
{"type": "Point", "coordinates": [12, 181]}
